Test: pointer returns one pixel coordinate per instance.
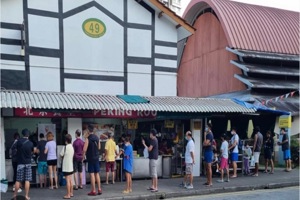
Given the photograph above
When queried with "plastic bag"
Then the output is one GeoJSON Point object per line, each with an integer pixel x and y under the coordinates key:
{"type": "Point", "coordinates": [4, 185]}
{"type": "Point", "coordinates": [146, 153]}
{"type": "Point", "coordinates": [252, 163]}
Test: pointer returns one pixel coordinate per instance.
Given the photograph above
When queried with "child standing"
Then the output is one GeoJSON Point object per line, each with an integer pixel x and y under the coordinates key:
{"type": "Point", "coordinates": [224, 159]}
{"type": "Point", "coordinates": [128, 164]}
{"type": "Point", "coordinates": [247, 153]}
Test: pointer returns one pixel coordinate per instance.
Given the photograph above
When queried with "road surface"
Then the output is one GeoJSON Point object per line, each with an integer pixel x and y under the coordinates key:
{"type": "Point", "coordinates": [290, 193]}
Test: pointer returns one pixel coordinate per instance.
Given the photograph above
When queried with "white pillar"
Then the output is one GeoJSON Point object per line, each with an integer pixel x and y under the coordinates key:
{"type": "Point", "coordinates": [73, 125]}
{"type": "Point", "coordinates": [2, 150]}
{"type": "Point", "coordinates": [196, 126]}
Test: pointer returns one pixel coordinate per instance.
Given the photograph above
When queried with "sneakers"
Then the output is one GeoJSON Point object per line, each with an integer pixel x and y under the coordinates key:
{"type": "Point", "coordinates": [189, 187]}
{"type": "Point", "coordinates": [220, 181]}
{"type": "Point", "coordinates": [227, 180]}
{"type": "Point", "coordinates": [182, 185]}
{"type": "Point", "coordinates": [217, 171]}
{"type": "Point", "coordinates": [19, 190]}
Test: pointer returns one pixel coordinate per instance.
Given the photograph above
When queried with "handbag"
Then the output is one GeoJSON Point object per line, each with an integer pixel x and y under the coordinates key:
{"type": "Point", "coordinates": [252, 163]}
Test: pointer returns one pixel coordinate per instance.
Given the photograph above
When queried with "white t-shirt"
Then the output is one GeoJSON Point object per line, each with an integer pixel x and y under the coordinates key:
{"type": "Point", "coordinates": [224, 149]}
{"type": "Point", "coordinates": [190, 147]}
{"type": "Point", "coordinates": [51, 146]}
{"type": "Point", "coordinates": [68, 155]}
{"type": "Point", "coordinates": [235, 138]}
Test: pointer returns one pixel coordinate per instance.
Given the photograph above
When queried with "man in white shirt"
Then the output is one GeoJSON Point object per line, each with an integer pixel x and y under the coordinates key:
{"type": "Point", "coordinates": [189, 159]}
{"type": "Point", "coordinates": [234, 151]}
{"type": "Point", "coordinates": [224, 158]}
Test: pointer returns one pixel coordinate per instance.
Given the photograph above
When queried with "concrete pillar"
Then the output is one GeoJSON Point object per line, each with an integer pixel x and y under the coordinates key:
{"type": "Point", "coordinates": [2, 150]}
{"type": "Point", "coordinates": [196, 126]}
{"type": "Point", "coordinates": [73, 125]}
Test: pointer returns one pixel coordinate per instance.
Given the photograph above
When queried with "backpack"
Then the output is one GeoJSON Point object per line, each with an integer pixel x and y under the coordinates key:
{"type": "Point", "coordinates": [240, 144]}
{"type": "Point", "coordinates": [13, 151]}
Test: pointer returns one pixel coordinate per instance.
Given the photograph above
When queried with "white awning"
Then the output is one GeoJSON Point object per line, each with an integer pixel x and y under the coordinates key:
{"type": "Point", "coordinates": [74, 101]}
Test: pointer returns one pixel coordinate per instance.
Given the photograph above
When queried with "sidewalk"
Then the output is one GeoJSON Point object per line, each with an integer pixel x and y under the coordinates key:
{"type": "Point", "coordinates": [169, 188]}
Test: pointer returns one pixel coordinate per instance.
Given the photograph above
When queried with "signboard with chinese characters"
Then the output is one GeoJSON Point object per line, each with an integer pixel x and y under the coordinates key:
{"type": "Point", "coordinates": [169, 124]}
{"type": "Point", "coordinates": [28, 112]}
{"type": "Point", "coordinates": [132, 124]}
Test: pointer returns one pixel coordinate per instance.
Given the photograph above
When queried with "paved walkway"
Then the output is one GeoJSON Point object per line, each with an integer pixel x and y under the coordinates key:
{"type": "Point", "coordinates": [169, 188]}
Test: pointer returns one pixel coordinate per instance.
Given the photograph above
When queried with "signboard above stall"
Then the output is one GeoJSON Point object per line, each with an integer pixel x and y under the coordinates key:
{"type": "Point", "coordinates": [23, 112]}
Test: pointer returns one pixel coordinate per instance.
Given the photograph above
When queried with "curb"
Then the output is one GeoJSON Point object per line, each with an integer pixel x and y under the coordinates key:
{"type": "Point", "coordinates": [168, 195]}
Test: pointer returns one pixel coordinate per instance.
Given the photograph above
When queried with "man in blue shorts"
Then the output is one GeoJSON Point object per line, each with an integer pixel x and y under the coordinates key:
{"type": "Point", "coordinates": [286, 150]}
{"type": "Point", "coordinates": [233, 148]}
{"type": "Point", "coordinates": [208, 153]}
{"type": "Point", "coordinates": [91, 151]}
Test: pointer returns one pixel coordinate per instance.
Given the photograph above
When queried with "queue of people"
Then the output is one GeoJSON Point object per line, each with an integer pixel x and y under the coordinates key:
{"type": "Point", "coordinates": [73, 155]}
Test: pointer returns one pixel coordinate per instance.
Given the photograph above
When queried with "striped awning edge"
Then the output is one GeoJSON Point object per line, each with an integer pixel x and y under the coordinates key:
{"type": "Point", "coordinates": [76, 101]}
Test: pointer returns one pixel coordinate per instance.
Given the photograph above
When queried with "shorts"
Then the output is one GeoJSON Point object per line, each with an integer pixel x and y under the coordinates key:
{"type": "Point", "coordinates": [286, 154]}
{"type": "Point", "coordinates": [125, 171]}
{"type": "Point", "coordinates": [42, 167]}
{"type": "Point", "coordinates": [77, 166]}
{"type": "Point", "coordinates": [268, 154]}
{"type": "Point", "coordinates": [208, 156]}
{"type": "Point", "coordinates": [52, 162]}
{"type": "Point", "coordinates": [24, 173]}
{"type": "Point", "coordinates": [256, 157]}
{"type": "Point", "coordinates": [224, 163]}
{"type": "Point", "coordinates": [94, 167]}
{"type": "Point", "coordinates": [189, 168]}
{"type": "Point", "coordinates": [234, 157]}
{"type": "Point", "coordinates": [153, 168]}
{"type": "Point", "coordinates": [110, 166]}
{"type": "Point", "coordinates": [67, 173]}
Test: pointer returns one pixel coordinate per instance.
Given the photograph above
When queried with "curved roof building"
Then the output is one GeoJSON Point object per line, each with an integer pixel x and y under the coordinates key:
{"type": "Point", "coordinates": [243, 51]}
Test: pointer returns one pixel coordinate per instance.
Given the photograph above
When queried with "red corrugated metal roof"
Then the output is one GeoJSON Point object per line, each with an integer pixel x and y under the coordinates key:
{"type": "Point", "coordinates": [252, 27]}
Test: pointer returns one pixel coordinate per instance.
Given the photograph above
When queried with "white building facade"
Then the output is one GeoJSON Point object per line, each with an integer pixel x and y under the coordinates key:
{"type": "Point", "coordinates": [105, 47]}
{"type": "Point", "coordinates": [100, 47]}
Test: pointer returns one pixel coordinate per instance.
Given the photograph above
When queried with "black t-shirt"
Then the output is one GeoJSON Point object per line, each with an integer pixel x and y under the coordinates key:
{"type": "Point", "coordinates": [41, 147]}
{"type": "Point", "coordinates": [25, 149]}
{"type": "Point", "coordinates": [92, 153]}
{"type": "Point", "coordinates": [285, 146]}
{"type": "Point", "coordinates": [153, 154]}
{"type": "Point", "coordinates": [269, 143]}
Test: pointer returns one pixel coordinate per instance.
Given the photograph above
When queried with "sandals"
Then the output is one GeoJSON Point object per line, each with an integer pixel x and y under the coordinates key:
{"type": "Point", "coordinates": [125, 192]}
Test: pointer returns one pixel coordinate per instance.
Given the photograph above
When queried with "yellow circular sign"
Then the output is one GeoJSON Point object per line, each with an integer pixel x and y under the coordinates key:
{"type": "Point", "coordinates": [93, 27]}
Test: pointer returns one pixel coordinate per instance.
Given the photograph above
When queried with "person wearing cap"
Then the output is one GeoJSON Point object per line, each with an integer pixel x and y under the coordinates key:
{"type": "Point", "coordinates": [110, 157]}
{"type": "Point", "coordinates": [153, 156]}
{"type": "Point", "coordinates": [189, 159]}
{"type": "Point", "coordinates": [91, 151]}
{"type": "Point", "coordinates": [224, 158]}
{"type": "Point", "coordinates": [78, 159]}
{"type": "Point", "coordinates": [24, 172]}
{"type": "Point", "coordinates": [286, 149]}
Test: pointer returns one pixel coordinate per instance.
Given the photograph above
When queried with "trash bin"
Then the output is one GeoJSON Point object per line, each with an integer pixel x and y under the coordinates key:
{"type": "Point", "coordinates": [166, 165]}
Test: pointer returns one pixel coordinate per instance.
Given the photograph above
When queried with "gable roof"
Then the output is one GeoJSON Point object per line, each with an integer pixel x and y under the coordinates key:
{"type": "Point", "coordinates": [252, 27]}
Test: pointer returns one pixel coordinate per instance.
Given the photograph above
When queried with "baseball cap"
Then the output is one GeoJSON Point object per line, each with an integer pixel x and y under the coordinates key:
{"type": "Point", "coordinates": [25, 132]}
